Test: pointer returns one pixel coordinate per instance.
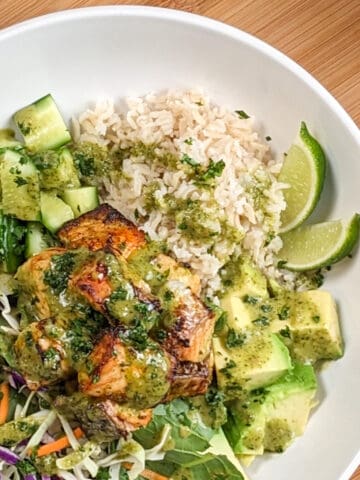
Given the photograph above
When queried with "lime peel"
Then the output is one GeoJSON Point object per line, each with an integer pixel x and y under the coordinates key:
{"type": "Point", "coordinates": [311, 247]}
{"type": "Point", "coordinates": [303, 170]}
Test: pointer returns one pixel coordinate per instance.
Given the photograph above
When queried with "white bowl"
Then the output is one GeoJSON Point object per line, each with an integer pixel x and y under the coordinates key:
{"type": "Point", "coordinates": [80, 55]}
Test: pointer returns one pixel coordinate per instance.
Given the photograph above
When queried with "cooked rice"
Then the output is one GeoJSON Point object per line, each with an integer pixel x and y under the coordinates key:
{"type": "Point", "coordinates": [247, 194]}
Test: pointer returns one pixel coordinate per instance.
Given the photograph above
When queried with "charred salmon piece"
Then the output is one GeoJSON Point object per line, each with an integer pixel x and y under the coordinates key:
{"type": "Point", "coordinates": [118, 300]}
{"type": "Point", "coordinates": [176, 272]}
{"type": "Point", "coordinates": [40, 358]}
{"type": "Point", "coordinates": [102, 420]}
{"type": "Point", "coordinates": [189, 379]}
{"type": "Point", "coordinates": [92, 281]}
{"type": "Point", "coordinates": [188, 338]}
{"type": "Point", "coordinates": [102, 228]}
{"type": "Point", "coordinates": [121, 372]}
{"type": "Point", "coordinates": [34, 296]}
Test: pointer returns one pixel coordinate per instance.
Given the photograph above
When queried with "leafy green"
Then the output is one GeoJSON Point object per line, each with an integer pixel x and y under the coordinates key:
{"type": "Point", "coordinates": [187, 431]}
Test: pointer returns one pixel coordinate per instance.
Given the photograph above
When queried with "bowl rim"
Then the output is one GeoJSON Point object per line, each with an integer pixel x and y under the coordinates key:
{"type": "Point", "coordinates": [209, 24]}
{"type": "Point", "coordinates": [195, 20]}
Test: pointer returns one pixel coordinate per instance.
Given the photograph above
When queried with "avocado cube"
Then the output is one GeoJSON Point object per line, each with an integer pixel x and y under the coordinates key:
{"type": "Point", "coordinates": [259, 361]}
{"type": "Point", "coordinates": [270, 418]}
{"type": "Point", "coordinates": [313, 327]}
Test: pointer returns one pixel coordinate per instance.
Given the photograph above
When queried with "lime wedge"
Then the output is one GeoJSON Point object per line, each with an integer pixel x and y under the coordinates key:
{"type": "Point", "coordinates": [314, 246]}
{"type": "Point", "coordinates": [304, 171]}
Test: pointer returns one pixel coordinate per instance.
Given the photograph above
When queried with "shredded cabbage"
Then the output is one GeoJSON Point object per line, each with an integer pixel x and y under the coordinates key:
{"type": "Point", "coordinates": [89, 464]}
{"type": "Point", "coordinates": [36, 438]}
{"type": "Point", "coordinates": [6, 314]}
{"type": "Point", "coordinates": [157, 452]}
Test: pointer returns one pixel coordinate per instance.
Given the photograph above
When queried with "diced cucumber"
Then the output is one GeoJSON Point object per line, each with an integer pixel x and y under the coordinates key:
{"type": "Point", "coordinates": [54, 212]}
{"type": "Point", "coordinates": [12, 233]}
{"type": "Point", "coordinates": [42, 125]}
{"type": "Point", "coordinates": [20, 186]}
{"type": "Point", "coordinates": [81, 200]}
{"type": "Point", "coordinates": [57, 169]}
{"type": "Point", "coordinates": [37, 239]}
{"type": "Point", "coordinates": [7, 139]}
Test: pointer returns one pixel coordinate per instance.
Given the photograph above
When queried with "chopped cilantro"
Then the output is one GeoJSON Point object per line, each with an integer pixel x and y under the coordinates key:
{"type": "Point", "coordinates": [20, 181]}
{"type": "Point", "coordinates": [316, 318]}
{"type": "Point", "coordinates": [285, 332]}
{"type": "Point", "coordinates": [250, 299]}
{"type": "Point", "coordinates": [119, 294]}
{"type": "Point", "coordinates": [214, 169]}
{"type": "Point", "coordinates": [261, 321]}
{"type": "Point", "coordinates": [234, 339]}
{"type": "Point", "coordinates": [168, 295]}
{"type": "Point", "coordinates": [242, 114]}
{"type": "Point", "coordinates": [188, 160]}
{"type": "Point", "coordinates": [188, 141]}
{"type": "Point", "coordinates": [266, 308]}
{"type": "Point", "coordinates": [284, 312]}
{"type": "Point", "coordinates": [58, 274]}
{"type": "Point", "coordinates": [281, 263]}
{"type": "Point", "coordinates": [25, 467]}
{"type": "Point", "coordinates": [221, 322]}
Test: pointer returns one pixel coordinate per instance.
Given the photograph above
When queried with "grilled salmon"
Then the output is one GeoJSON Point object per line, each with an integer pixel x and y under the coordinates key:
{"type": "Point", "coordinates": [139, 377]}
{"type": "Point", "coordinates": [35, 298]}
{"type": "Point", "coordinates": [102, 420]}
{"type": "Point", "coordinates": [102, 229]}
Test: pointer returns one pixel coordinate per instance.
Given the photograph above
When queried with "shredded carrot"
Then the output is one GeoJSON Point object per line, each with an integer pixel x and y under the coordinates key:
{"type": "Point", "coordinates": [59, 444]}
{"type": "Point", "coordinates": [150, 475]}
{"type": "Point", "coordinates": [4, 403]}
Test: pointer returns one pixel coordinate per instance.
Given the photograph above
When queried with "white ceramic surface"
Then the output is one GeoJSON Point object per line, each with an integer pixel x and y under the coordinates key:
{"type": "Point", "coordinates": [81, 55]}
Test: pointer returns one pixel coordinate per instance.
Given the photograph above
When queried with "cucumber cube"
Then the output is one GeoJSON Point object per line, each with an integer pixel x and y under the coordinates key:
{"type": "Point", "coordinates": [42, 125]}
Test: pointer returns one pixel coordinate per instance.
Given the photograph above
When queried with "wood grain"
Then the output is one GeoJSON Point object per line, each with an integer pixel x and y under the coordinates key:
{"type": "Point", "coordinates": [323, 35]}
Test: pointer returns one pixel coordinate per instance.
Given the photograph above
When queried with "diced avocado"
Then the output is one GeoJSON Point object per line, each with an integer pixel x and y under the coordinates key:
{"type": "Point", "coordinates": [37, 239]}
{"type": "Point", "coordinates": [245, 278]}
{"type": "Point", "coordinates": [307, 321]}
{"type": "Point", "coordinates": [269, 419]}
{"type": "Point", "coordinates": [54, 212]}
{"type": "Point", "coordinates": [20, 186]}
{"type": "Point", "coordinates": [7, 139]}
{"type": "Point", "coordinates": [81, 200]}
{"type": "Point", "coordinates": [238, 315]}
{"type": "Point", "coordinates": [312, 329]}
{"type": "Point", "coordinates": [251, 361]}
{"type": "Point", "coordinates": [42, 125]}
{"type": "Point", "coordinates": [57, 169]}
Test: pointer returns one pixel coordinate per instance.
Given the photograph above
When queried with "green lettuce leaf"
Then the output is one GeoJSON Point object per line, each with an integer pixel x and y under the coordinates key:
{"type": "Point", "coordinates": [188, 432]}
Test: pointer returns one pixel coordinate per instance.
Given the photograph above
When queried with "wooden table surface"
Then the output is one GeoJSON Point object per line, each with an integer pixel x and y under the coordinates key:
{"type": "Point", "coordinates": [322, 35]}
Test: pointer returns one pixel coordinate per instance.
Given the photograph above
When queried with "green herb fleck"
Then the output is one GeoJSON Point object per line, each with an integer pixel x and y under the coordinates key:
{"type": "Point", "coordinates": [242, 114]}
{"type": "Point", "coordinates": [268, 138]}
{"type": "Point", "coordinates": [250, 299]}
{"type": "Point", "coordinates": [285, 332]}
{"type": "Point", "coordinates": [316, 318]}
{"type": "Point", "coordinates": [60, 269]}
{"type": "Point", "coordinates": [234, 339]}
{"type": "Point", "coordinates": [188, 141]}
{"type": "Point", "coordinates": [214, 169]}
{"type": "Point", "coordinates": [188, 160]}
{"type": "Point", "coordinates": [261, 321]}
{"type": "Point", "coordinates": [281, 263]}
{"type": "Point", "coordinates": [284, 312]}
{"type": "Point", "coordinates": [20, 181]}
